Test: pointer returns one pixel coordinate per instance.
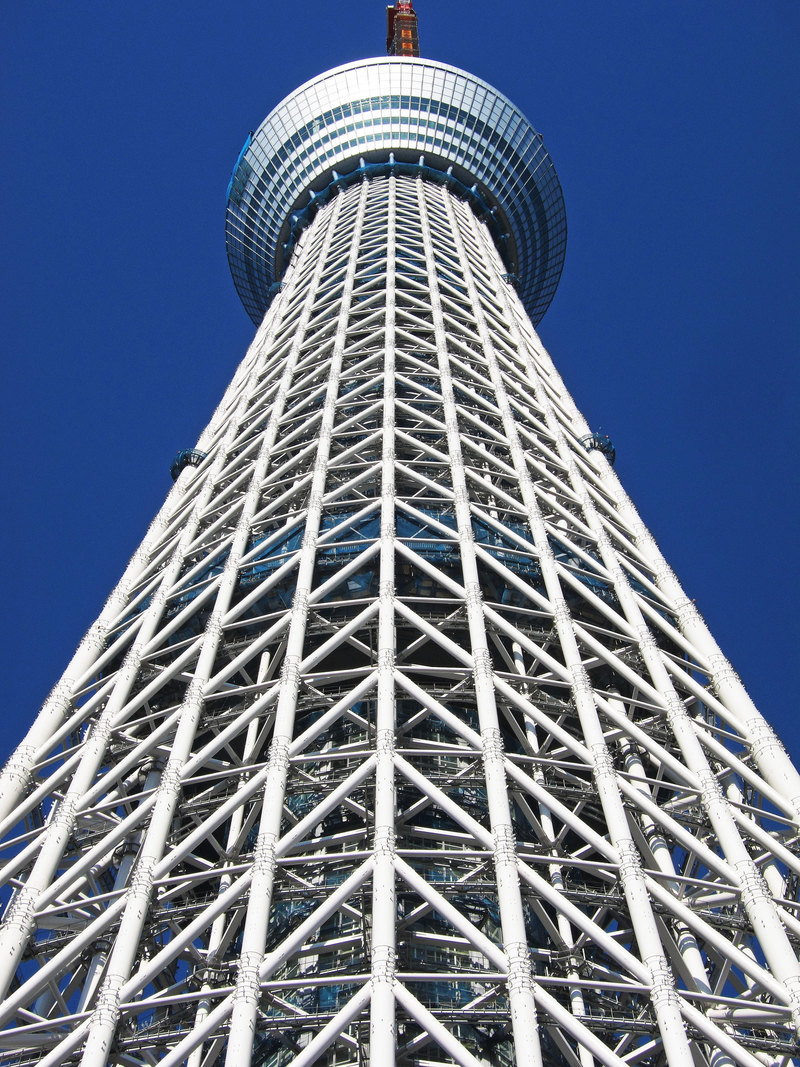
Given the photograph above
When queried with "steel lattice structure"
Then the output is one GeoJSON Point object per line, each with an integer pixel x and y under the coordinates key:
{"type": "Point", "coordinates": [398, 741]}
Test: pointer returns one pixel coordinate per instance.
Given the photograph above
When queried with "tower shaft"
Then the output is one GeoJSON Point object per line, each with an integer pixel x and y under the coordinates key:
{"type": "Point", "coordinates": [397, 749]}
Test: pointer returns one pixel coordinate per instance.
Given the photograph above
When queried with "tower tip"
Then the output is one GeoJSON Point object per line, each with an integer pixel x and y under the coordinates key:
{"type": "Point", "coordinates": [402, 38]}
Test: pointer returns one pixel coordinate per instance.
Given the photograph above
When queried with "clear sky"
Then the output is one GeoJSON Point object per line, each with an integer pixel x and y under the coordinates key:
{"type": "Point", "coordinates": [673, 125]}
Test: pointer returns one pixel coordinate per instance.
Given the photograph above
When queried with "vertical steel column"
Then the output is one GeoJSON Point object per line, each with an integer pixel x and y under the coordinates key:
{"type": "Point", "coordinates": [384, 898]}
{"type": "Point", "coordinates": [106, 1014]}
{"type": "Point", "coordinates": [770, 755]}
{"type": "Point", "coordinates": [100, 1027]}
{"type": "Point", "coordinates": [248, 983]}
{"type": "Point", "coordinates": [515, 941]}
{"type": "Point", "coordinates": [755, 896]}
{"type": "Point", "coordinates": [218, 927]}
{"type": "Point", "coordinates": [15, 777]}
{"type": "Point", "coordinates": [18, 921]}
{"type": "Point", "coordinates": [664, 995]}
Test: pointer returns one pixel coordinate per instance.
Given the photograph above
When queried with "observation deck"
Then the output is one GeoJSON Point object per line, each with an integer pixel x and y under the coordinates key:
{"type": "Point", "coordinates": [397, 115]}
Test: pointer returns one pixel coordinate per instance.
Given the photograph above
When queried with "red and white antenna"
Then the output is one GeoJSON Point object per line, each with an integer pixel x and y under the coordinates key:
{"type": "Point", "coordinates": [402, 38]}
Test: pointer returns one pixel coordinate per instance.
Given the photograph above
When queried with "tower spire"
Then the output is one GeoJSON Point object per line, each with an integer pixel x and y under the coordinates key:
{"type": "Point", "coordinates": [402, 38]}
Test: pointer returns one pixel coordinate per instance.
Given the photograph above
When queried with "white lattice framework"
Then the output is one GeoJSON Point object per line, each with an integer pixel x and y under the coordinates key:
{"type": "Point", "coordinates": [398, 741]}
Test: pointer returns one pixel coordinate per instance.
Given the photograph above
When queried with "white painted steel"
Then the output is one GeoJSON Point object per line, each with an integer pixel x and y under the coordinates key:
{"type": "Point", "coordinates": [398, 743]}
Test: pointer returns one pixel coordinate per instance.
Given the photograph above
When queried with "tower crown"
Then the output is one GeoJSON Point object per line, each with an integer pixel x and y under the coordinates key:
{"type": "Point", "coordinates": [388, 114]}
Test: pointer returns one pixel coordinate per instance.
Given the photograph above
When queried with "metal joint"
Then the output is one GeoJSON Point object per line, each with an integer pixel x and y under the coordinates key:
{"type": "Point", "coordinates": [18, 766]}
{"type": "Point", "coordinates": [279, 756]}
{"type": "Point", "coordinates": [492, 745]}
{"type": "Point", "coordinates": [754, 886]}
{"type": "Point", "coordinates": [630, 862]}
{"type": "Point", "coordinates": [248, 980]}
{"type": "Point", "coordinates": [385, 841]}
{"type": "Point", "coordinates": [505, 846]}
{"type": "Point", "coordinates": [60, 694]}
{"type": "Point", "coordinates": [685, 612]}
{"type": "Point", "coordinates": [193, 696]}
{"type": "Point", "coordinates": [384, 743]}
{"type": "Point", "coordinates": [383, 965]}
{"type": "Point", "coordinates": [581, 682]}
{"type": "Point", "coordinates": [663, 991]}
{"type": "Point", "coordinates": [562, 616]}
{"type": "Point", "coordinates": [641, 535]}
{"type": "Point", "coordinates": [141, 883]}
{"type": "Point", "coordinates": [300, 602]}
{"type": "Point", "coordinates": [386, 659]}
{"type": "Point", "coordinates": [172, 778]}
{"type": "Point", "coordinates": [22, 910]}
{"type": "Point", "coordinates": [95, 637]}
{"type": "Point", "coordinates": [674, 711]}
{"type": "Point", "coordinates": [264, 852]}
{"type": "Point", "coordinates": [107, 1011]}
{"type": "Point", "coordinates": [603, 763]}
{"type": "Point", "coordinates": [762, 738]}
{"type": "Point", "coordinates": [214, 627]}
{"type": "Point", "coordinates": [63, 816]}
{"type": "Point", "coordinates": [645, 638]}
{"type": "Point", "coordinates": [290, 671]}
{"type": "Point", "coordinates": [160, 597]}
{"type": "Point", "coordinates": [519, 967]}
{"type": "Point", "coordinates": [664, 575]}
{"type": "Point", "coordinates": [721, 670]}
{"type": "Point", "coordinates": [482, 664]}
{"type": "Point", "coordinates": [474, 595]}
{"type": "Point", "coordinates": [547, 556]}
{"type": "Point", "coordinates": [710, 790]}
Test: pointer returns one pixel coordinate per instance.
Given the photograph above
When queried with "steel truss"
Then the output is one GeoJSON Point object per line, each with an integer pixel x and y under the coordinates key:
{"type": "Point", "coordinates": [398, 741]}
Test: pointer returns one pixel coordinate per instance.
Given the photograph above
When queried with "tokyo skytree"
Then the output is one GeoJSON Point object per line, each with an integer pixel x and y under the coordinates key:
{"type": "Point", "coordinates": [398, 741]}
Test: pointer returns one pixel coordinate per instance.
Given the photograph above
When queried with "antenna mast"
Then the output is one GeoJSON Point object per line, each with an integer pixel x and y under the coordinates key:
{"type": "Point", "coordinates": [402, 38]}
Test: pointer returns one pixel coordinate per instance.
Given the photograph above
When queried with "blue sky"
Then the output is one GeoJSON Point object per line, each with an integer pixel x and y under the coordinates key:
{"type": "Point", "coordinates": [673, 126]}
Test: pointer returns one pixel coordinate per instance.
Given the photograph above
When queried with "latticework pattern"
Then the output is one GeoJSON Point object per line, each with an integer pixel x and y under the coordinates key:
{"type": "Point", "coordinates": [398, 742]}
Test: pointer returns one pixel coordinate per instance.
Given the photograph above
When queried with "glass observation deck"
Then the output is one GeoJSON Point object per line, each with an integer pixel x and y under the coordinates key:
{"type": "Point", "coordinates": [392, 112]}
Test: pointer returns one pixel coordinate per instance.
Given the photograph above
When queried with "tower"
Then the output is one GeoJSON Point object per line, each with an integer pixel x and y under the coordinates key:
{"type": "Point", "coordinates": [398, 740]}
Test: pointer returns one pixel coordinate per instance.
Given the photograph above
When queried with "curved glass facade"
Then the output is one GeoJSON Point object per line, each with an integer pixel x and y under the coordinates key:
{"type": "Point", "coordinates": [410, 108]}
